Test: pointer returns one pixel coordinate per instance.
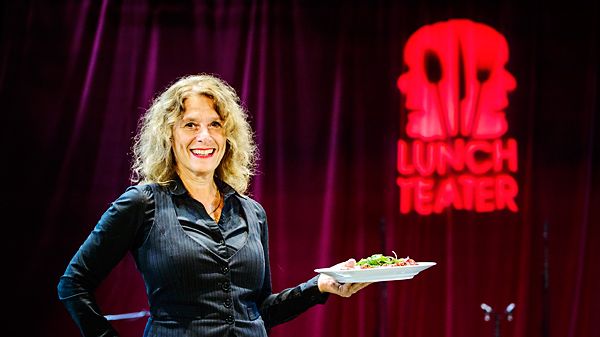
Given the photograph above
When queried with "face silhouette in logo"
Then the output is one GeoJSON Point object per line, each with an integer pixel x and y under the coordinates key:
{"type": "Point", "coordinates": [456, 84]}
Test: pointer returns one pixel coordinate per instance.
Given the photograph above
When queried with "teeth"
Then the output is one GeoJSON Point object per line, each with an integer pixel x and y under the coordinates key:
{"type": "Point", "coordinates": [203, 152]}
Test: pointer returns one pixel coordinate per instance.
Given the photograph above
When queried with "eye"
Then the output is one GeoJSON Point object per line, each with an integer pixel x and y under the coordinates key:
{"type": "Point", "coordinates": [216, 124]}
{"type": "Point", "coordinates": [190, 125]}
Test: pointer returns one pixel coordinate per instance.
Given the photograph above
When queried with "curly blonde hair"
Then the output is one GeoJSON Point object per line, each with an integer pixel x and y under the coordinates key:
{"type": "Point", "coordinates": [153, 159]}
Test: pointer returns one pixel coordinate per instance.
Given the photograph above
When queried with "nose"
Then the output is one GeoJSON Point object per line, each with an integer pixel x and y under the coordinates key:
{"type": "Point", "coordinates": [402, 83]}
{"type": "Point", "coordinates": [511, 82]}
{"type": "Point", "coordinates": [202, 133]}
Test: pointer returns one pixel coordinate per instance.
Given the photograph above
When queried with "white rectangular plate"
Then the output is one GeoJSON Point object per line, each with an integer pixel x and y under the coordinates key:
{"type": "Point", "coordinates": [376, 274]}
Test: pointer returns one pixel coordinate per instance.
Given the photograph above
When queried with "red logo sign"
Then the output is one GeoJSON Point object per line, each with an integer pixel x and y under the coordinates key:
{"type": "Point", "coordinates": [456, 89]}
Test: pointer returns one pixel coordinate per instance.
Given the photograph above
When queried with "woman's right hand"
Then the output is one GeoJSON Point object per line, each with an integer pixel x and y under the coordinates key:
{"type": "Point", "coordinates": [328, 284]}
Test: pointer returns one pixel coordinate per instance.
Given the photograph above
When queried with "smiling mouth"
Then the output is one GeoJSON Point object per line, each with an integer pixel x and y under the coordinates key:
{"type": "Point", "coordinates": [203, 153]}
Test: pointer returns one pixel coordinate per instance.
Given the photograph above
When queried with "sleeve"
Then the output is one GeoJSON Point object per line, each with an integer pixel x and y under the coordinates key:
{"type": "Point", "coordinates": [291, 302]}
{"type": "Point", "coordinates": [113, 236]}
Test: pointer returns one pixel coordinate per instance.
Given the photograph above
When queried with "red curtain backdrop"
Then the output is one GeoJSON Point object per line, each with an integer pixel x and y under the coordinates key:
{"type": "Point", "coordinates": [319, 81]}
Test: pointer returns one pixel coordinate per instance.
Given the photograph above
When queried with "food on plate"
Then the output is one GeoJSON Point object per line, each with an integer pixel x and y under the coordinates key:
{"type": "Point", "coordinates": [380, 260]}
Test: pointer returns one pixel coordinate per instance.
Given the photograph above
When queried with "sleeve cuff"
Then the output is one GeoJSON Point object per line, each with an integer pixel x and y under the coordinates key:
{"type": "Point", "coordinates": [311, 289]}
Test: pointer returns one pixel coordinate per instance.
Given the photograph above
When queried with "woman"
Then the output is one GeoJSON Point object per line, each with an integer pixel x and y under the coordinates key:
{"type": "Point", "coordinates": [199, 242]}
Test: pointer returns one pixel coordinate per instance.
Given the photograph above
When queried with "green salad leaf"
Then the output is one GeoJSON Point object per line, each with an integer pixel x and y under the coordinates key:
{"type": "Point", "coordinates": [379, 260]}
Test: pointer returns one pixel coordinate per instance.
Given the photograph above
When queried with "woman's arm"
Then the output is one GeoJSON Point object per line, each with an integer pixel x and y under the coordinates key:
{"type": "Point", "coordinates": [106, 245]}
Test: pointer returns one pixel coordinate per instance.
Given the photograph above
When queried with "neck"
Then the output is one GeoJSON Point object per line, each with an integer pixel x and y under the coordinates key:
{"type": "Point", "coordinates": [201, 188]}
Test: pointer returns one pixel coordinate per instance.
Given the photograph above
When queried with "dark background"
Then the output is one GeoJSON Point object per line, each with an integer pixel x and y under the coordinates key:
{"type": "Point", "coordinates": [319, 81]}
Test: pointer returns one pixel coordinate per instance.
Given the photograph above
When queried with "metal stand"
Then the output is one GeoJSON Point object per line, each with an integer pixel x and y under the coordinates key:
{"type": "Point", "coordinates": [129, 315]}
{"type": "Point", "coordinates": [489, 312]}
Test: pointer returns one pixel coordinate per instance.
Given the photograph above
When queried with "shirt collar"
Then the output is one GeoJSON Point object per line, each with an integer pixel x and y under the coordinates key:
{"type": "Point", "coordinates": [176, 187]}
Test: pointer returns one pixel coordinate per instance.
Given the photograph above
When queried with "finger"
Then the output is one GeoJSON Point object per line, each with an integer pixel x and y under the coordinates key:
{"type": "Point", "coordinates": [358, 286]}
{"type": "Point", "coordinates": [363, 285]}
{"type": "Point", "coordinates": [346, 290]}
{"type": "Point", "coordinates": [343, 289]}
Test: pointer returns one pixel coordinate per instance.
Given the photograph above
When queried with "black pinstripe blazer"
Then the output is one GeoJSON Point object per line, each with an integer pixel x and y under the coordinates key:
{"type": "Point", "coordinates": [192, 290]}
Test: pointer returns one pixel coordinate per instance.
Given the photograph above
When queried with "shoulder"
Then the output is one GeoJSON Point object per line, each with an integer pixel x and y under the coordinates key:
{"type": "Point", "coordinates": [254, 206]}
{"type": "Point", "coordinates": [135, 196]}
{"type": "Point", "coordinates": [252, 203]}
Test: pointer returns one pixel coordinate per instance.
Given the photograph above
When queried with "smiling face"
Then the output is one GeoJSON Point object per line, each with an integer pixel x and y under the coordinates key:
{"type": "Point", "coordinates": [198, 139]}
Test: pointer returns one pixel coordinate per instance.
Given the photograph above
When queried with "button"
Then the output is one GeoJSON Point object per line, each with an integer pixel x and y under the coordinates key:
{"type": "Point", "coordinates": [224, 270]}
{"type": "Point", "coordinates": [222, 242]}
{"type": "Point", "coordinates": [227, 303]}
{"type": "Point", "coordinates": [229, 319]}
{"type": "Point", "coordinates": [226, 286]}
